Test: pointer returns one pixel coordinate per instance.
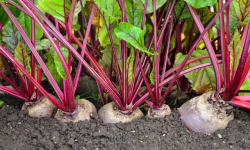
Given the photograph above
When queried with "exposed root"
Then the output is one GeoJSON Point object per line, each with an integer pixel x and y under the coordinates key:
{"type": "Point", "coordinates": [41, 108]}
{"type": "Point", "coordinates": [159, 113]}
{"type": "Point", "coordinates": [83, 111]}
{"type": "Point", "coordinates": [206, 114]}
{"type": "Point", "coordinates": [110, 114]}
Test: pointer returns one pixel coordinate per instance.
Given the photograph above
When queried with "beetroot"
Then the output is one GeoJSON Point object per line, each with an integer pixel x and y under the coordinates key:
{"type": "Point", "coordinates": [109, 113]}
{"type": "Point", "coordinates": [83, 111]}
{"type": "Point", "coordinates": [206, 114]}
{"type": "Point", "coordinates": [163, 111]}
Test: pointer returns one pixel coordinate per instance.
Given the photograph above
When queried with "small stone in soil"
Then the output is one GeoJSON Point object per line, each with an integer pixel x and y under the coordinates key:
{"type": "Point", "coordinates": [219, 136]}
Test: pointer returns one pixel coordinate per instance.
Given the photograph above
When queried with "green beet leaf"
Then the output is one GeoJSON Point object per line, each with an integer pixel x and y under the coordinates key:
{"type": "Point", "coordinates": [110, 9]}
{"type": "Point", "coordinates": [240, 12]}
{"type": "Point", "coordinates": [181, 11]}
{"type": "Point", "coordinates": [235, 50]}
{"type": "Point", "coordinates": [55, 7]}
{"type": "Point", "coordinates": [21, 56]}
{"type": "Point", "coordinates": [202, 80]}
{"type": "Point", "coordinates": [4, 17]}
{"type": "Point", "coordinates": [25, 22]}
{"type": "Point", "coordinates": [58, 63]}
{"type": "Point", "coordinates": [104, 37]}
{"type": "Point", "coordinates": [205, 16]}
{"type": "Point", "coordinates": [140, 3]}
{"type": "Point", "coordinates": [245, 86]}
{"type": "Point", "coordinates": [133, 13]}
{"type": "Point", "coordinates": [10, 37]}
{"type": "Point", "coordinates": [52, 69]}
{"type": "Point", "coordinates": [43, 44]}
{"type": "Point", "coordinates": [232, 24]}
{"type": "Point", "coordinates": [105, 62]}
{"type": "Point", "coordinates": [201, 3]}
{"type": "Point", "coordinates": [75, 24]}
{"type": "Point", "coordinates": [133, 35]}
{"type": "Point", "coordinates": [130, 65]}
{"type": "Point", "coordinates": [152, 76]}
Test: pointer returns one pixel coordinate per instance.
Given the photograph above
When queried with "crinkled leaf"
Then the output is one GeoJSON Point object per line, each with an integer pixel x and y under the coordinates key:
{"type": "Point", "coordinates": [104, 37]}
{"type": "Point", "coordinates": [132, 35]}
{"type": "Point", "coordinates": [235, 50]}
{"type": "Point", "coordinates": [43, 44]}
{"type": "Point", "coordinates": [25, 22]}
{"type": "Point", "coordinates": [58, 63]}
{"type": "Point", "coordinates": [55, 7]}
{"type": "Point", "coordinates": [21, 56]}
{"type": "Point", "coordinates": [52, 69]}
{"type": "Point", "coordinates": [201, 3]}
{"type": "Point", "coordinates": [202, 80]}
{"type": "Point", "coordinates": [11, 37]}
{"type": "Point", "coordinates": [181, 11]}
{"type": "Point", "coordinates": [75, 24]}
{"type": "Point", "coordinates": [205, 15]}
{"type": "Point", "coordinates": [130, 65]}
{"type": "Point", "coordinates": [134, 15]}
{"type": "Point", "coordinates": [105, 62]}
{"type": "Point", "coordinates": [110, 9]}
{"type": "Point", "coordinates": [240, 12]}
{"type": "Point", "coordinates": [107, 54]}
{"type": "Point", "coordinates": [152, 73]}
{"type": "Point", "coordinates": [140, 3]}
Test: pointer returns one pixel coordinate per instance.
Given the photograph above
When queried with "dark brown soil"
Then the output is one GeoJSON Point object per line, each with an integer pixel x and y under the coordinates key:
{"type": "Point", "coordinates": [20, 132]}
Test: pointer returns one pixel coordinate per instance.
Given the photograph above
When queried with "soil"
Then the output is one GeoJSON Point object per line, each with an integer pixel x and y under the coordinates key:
{"type": "Point", "coordinates": [21, 132]}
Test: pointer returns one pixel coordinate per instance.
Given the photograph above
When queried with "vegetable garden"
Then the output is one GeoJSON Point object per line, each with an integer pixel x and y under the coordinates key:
{"type": "Point", "coordinates": [104, 68]}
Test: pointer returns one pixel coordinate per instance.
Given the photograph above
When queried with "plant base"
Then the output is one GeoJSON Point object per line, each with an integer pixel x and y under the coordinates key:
{"type": "Point", "coordinates": [83, 111]}
{"type": "Point", "coordinates": [159, 113]}
{"type": "Point", "coordinates": [206, 114]}
{"type": "Point", "coordinates": [110, 114]}
{"type": "Point", "coordinates": [40, 109]}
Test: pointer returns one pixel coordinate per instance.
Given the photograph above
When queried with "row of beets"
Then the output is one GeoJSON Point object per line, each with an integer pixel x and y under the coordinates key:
{"type": "Point", "coordinates": [126, 80]}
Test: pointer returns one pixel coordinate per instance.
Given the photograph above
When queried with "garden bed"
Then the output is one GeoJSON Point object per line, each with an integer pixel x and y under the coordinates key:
{"type": "Point", "coordinates": [21, 132]}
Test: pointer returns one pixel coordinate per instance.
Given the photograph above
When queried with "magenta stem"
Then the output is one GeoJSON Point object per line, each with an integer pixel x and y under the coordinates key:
{"type": "Point", "coordinates": [156, 61]}
{"type": "Point", "coordinates": [33, 68]}
{"type": "Point", "coordinates": [79, 67]}
{"type": "Point", "coordinates": [192, 49]}
{"type": "Point", "coordinates": [225, 56]}
{"type": "Point", "coordinates": [44, 92]}
{"type": "Point", "coordinates": [209, 49]}
{"type": "Point", "coordinates": [59, 53]}
{"type": "Point", "coordinates": [39, 59]}
{"type": "Point", "coordinates": [12, 92]}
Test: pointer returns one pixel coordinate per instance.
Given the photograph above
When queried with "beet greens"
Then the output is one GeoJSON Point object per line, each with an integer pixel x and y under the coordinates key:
{"type": "Point", "coordinates": [135, 50]}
